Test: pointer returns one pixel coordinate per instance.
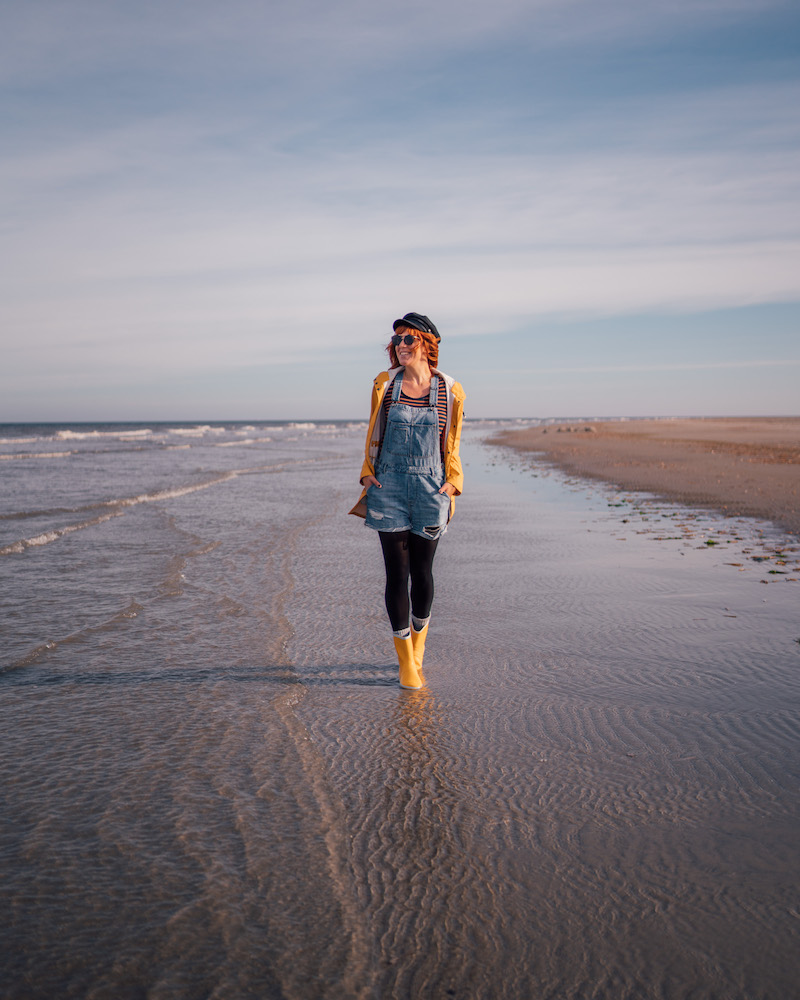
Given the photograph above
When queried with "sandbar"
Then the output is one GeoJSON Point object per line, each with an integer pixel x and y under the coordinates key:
{"type": "Point", "coordinates": [740, 466]}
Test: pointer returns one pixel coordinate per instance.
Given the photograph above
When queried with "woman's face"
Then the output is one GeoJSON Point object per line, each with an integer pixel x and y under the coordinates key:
{"type": "Point", "coordinates": [407, 353]}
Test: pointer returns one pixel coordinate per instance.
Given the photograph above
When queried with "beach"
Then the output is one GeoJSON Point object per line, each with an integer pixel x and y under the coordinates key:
{"type": "Point", "coordinates": [735, 465]}
{"type": "Point", "coordinates": [214, 786]}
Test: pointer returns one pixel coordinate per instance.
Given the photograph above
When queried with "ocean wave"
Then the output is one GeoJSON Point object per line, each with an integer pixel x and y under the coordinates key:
{"type": "Point", "coordinates": [36, 454]}
{"type": "Point", "coordinates": [117, 508]}
{"type": "Point", "coordinates": [199, 431]}
{"type": "Point", "coordinates": [121, 435]}
{"type": "Point", "coordinates": [241, 441]}
{"type": "Point", "coordinates": [173, 491]}
{"type": "Point", "coordinates": [132, 610]}
{"type": "Point", "coordinates": [46, 537]}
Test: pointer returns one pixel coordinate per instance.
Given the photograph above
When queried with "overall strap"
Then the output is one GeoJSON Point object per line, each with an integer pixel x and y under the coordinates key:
{"type": "Point", "coordinates": [397, 386]}
{"type": "Point", "coordinates": [434, 396]}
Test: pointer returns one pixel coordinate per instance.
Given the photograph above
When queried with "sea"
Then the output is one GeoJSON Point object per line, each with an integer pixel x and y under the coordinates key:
{"type": "Point", "coordinates": [213, 786]}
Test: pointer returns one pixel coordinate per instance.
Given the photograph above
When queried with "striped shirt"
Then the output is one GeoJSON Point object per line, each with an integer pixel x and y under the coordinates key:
{"type": "Point", "coordinates": [441, 409]}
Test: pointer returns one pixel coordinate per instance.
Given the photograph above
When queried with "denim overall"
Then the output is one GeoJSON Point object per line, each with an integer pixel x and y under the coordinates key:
{"type": "Point", "coordinates": [410, 470]}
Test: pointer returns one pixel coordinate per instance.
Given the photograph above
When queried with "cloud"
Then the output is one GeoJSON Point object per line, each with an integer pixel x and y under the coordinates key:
{"type": "Point", "coordinates": [159, 231]}
{"type": "Point", "coordinates": [193, 193]}
{"type": "Point", "coordinates": [305, 38]}
{"type": "Point", "coordinates": [686, 366]}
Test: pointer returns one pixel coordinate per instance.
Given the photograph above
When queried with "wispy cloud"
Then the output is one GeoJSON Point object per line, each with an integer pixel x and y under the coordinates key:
{"type": "Point", "coordinates": [247, 178]}
{"type": "Point", "coordinates": [688, 366]}
{"type": "Point", "coordinates": [155, 227]}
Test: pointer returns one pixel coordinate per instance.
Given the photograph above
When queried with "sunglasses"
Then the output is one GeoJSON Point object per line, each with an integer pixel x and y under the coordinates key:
{"type": "Point", "coordinates": [408, 340]}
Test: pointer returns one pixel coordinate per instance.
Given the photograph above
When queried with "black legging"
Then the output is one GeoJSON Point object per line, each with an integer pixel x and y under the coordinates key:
{"type": "Point", "coordinates": [408, 555]}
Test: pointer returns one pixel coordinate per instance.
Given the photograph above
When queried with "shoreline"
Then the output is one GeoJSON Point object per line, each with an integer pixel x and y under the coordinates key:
{"type": "Point", "coordinates": [748, 467]}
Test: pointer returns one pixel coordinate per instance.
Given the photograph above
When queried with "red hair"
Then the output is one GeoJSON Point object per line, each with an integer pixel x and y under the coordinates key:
{"type": "Point", "coordinates": [429, 343]}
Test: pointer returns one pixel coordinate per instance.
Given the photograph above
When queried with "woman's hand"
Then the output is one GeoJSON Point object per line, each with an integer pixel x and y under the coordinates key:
{"type": "Point", "coordinates": [369, 481]}
{"type": "Point", "coordinates": [449, 489]}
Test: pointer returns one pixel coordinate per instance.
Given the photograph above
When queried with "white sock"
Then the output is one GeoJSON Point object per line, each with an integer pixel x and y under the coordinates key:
{"type": "Point", "coordinates": [419, 623]}
{"type": "Point", "coordinates": [402, 633]}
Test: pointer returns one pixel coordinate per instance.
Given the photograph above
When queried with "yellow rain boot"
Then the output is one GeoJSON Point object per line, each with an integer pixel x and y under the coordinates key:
{"type": "Point", "coordinates": [418, 645]}
{"type": "Point", "coordinates": [409, 675]}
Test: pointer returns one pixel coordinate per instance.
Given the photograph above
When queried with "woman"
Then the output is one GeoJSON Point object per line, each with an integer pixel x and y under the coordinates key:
{"type": "Point", "coordinates": [411, 475]}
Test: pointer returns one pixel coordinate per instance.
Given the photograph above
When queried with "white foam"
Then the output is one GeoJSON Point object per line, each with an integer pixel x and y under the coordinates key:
{"type": "Point", "coordinates": [47, 537]}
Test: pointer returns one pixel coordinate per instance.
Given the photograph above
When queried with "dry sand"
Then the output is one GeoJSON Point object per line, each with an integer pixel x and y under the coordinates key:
{"type": "Point", "coordinates": [741, 466]}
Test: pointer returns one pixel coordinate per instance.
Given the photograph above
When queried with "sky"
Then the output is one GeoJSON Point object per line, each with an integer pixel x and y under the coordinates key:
{"type": "Point", "coordinates": [215, 211]}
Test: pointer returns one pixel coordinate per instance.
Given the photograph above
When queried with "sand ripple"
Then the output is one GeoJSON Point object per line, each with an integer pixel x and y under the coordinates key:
{"type": "Point", "coordinates": [215, 788]}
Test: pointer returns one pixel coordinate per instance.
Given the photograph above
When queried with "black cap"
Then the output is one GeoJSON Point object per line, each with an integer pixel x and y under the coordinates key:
{"type": "Point", "coordinates": [416, 321]}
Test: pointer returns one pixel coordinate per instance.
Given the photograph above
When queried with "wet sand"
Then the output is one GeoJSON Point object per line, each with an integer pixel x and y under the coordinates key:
{"type": "Point", "coordinates": [739, 466]}
{"type": "Point", "coordinates": [221, 791]}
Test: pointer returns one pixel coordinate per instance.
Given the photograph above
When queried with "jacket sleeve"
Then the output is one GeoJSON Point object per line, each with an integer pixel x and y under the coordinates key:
{"type": "Point", "coordinates": [455, 474]}
{"type": "Point", "coordinates": [360, 509]}
{"type": "Point", "coordinates": [367, 468]}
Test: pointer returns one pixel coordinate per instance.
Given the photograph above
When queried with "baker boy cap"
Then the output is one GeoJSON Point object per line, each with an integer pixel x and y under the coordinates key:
{"type": "Point", "coordinates": [416, 321]}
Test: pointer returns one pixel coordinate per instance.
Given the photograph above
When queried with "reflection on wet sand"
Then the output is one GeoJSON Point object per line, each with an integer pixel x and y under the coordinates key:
{"type": "Point", "coordinates": [223, 792]}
